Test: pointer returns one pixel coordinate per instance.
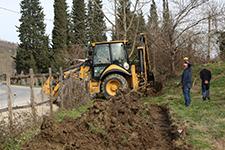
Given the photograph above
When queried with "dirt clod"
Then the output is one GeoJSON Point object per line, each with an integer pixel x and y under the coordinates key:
{"type": "Point", "coordinates": [120, 123]}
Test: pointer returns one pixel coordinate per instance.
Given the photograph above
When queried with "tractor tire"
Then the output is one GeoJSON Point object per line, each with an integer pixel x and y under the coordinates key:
{"type": "Point", "coordinates": [112, 84]}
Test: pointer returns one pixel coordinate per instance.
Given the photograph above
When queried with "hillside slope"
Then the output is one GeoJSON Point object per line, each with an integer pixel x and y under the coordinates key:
{"type": "Point", "coordinates": [7, 50]}
{"type": "Point", "coordinates": [203, 124]}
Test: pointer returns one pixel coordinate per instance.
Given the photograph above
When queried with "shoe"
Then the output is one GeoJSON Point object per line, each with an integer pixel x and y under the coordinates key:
{"type": "Point", "coordinates": [203, 98]}
{"type": "Point", "coordinates": [208, 98]}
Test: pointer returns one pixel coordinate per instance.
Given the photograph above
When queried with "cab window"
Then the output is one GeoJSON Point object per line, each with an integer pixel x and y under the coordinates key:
{"type": "Point", "coordinates": [101, 54]}
{"type": "Point", "coordinates": [118, 53]}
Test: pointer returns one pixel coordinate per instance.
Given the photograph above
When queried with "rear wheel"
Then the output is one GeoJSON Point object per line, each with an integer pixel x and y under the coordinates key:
{"type": "Point", "coordinates": [112, 84]}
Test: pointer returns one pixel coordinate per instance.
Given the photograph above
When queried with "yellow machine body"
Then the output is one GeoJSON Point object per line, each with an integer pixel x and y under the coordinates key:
{"type": "Point", "coordinates": [129, 74]}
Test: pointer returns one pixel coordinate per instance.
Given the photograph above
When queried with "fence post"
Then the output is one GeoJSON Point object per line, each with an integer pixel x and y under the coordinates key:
{"type": "Point", "coordinates": [10, 115]}
{"type": "Point", "coordinates": [32, 95]}
{"type": "Point", "coordinates": [42, 92]}
{"type": "Point", "coordinates": [50, 97]}
{"type": "Point", "coordinates": [60, 90]}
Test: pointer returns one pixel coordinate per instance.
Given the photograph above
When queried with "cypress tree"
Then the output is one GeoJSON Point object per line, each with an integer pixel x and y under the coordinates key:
{"type": "Point", "coordinates": [96, 22]}
{"type": "Point", "coordinates": [33, 48]}
{"type": "Point", "coordinates": [60, 30]}
{"type": "Point", "coordinates": [60, 33]}
{"type": "Point", "coordinates": [168, 35]}
{"type": "Point", "coordinates": [167, 22]}
{"type": "Point", "coordinates": [153, 27]}
{"type": "Point", "coordinates": [78, 18]}
{"type": "Point", "coordinates": [141, 23]}
{"type": "Point", "coordinates": [153, 18]}
{"type": "Point", "coordinates": [90, 21]}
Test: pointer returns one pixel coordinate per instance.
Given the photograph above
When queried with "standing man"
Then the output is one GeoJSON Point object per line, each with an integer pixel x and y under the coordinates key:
{"type": "Point", "coordinates": [186, 83]}
{"type": "Point", "coordinates": [205, 76]}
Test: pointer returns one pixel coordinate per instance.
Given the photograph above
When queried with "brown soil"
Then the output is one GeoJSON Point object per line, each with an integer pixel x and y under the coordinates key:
{"type": "Point", "coordinates": [122, 123]}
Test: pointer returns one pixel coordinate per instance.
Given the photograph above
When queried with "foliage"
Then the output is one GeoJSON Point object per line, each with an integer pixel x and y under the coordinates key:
{"type": "Point", "coordinates": [153, 18]}
{"type": "Point", "coordinates": [153, 34]}
{"type": "Point", "coordinates": [78, 18]}
{"type": "Point", "coordinates": [25, 61]}
{"type": "Point", "coordinates": [96, 25]}
{"type": "Point", "coordinates": [166, 16]}
{"type": "Point", "coordinates": [16, 143]}
{"type": "Point", "coordinates": [33, 48]}
{"type": "Point", "coordinates": [141, 23]}
{"type": "Point", "coordinates": [60, 33]}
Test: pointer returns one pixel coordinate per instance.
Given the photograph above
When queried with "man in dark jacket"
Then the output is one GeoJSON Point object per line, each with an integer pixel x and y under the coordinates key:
{"type": "Point", "coordinates": [205, 76]}
{"type": "Point", "coordinates": [186, 83]}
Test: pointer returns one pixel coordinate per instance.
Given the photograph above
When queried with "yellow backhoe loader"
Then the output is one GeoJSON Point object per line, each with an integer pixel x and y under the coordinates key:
{"type": "Point", "coordinates": [109, 69]}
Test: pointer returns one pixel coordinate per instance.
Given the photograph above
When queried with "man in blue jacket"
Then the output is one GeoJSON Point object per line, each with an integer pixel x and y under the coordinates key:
{"type": "Point", "coordinates": [186, 83]}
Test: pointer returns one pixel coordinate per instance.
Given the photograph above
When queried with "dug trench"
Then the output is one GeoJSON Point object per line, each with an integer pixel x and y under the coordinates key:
{"type": "Point", "coordinates": [122, 123]}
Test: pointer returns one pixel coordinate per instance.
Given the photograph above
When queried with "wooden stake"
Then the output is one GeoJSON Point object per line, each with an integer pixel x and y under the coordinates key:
{"type": "Point", "coordinates": [32, 100]}
{"type": "Point", "coordinates": [10, 110]}
{"type": "Point", "coordinates": [60, 90]}
{"type": "Point", "coordinates": [50, 97]}
{"type": "Point", "coordinates": [42, 93]}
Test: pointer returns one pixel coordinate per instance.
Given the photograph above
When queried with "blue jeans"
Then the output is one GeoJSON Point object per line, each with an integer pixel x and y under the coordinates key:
{"type": "Point", "coordinates": [205, 90]}
{"type": "Point", "coordinates": [187, 96]}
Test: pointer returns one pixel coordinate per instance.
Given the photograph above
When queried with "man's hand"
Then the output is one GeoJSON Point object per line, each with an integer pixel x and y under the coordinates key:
{"type": "Point", "coordinates": [206, 82]}
{"type": "Point", "coordinates": [178, 84]}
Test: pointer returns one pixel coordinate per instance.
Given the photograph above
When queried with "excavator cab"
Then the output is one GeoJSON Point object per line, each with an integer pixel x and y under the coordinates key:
{"type": "Point", "coordinates": [110, 67]}
{"type": "Point", "coordinates": [106, 54]}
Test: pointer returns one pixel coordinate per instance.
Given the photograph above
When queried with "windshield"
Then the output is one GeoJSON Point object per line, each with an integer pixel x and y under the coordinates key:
{"type": "Point", "coordinates": [101, 54]}
{"type": "Point", "coordinates": [118, 53]}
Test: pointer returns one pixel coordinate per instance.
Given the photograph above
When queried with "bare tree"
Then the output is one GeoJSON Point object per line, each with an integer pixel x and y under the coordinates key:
{"type": "Point", "coordinates": [188, 28]}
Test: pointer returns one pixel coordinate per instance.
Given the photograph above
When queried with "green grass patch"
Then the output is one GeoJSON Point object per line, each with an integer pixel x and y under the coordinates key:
{"type": "Point", "coordinates": [205, 120]}
{"type": "Point", "coordinates": [74, 113]}
{"type": "Point", "coordinates": [15, 143]}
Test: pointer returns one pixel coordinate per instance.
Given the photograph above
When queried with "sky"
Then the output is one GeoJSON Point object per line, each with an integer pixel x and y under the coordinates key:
{"type": "Point", "coordinates": [10, 20]}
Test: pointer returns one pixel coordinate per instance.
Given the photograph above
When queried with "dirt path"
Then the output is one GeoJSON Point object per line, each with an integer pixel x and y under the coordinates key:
{"type": "Point", "coordinates": [119, 124]}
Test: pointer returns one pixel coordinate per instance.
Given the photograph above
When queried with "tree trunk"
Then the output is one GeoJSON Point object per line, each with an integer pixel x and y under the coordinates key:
{"type": "Point", "coordinates": [173, 68]}
{"type": "Point", "coordinates": [209, 38]}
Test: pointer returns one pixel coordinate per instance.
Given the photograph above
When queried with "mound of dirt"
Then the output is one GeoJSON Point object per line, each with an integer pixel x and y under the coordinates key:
{"type": "Point", "coordinates": [120, 123]}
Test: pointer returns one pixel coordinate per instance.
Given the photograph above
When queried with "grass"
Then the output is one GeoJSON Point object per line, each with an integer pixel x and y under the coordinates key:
{"type": "Point", "coordinates": [74, 113]}
{"type": "Point", "coordinates": [16, 143]}
{"type": "Point", "coordinates": [205, 121]}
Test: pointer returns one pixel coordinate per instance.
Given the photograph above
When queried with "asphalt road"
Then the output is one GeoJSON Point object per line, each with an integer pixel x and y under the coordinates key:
{"type": "Point", "coordinates": [20, 95]}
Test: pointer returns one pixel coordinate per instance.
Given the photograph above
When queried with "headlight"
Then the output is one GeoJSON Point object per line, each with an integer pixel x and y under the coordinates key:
{"type": "Point", "coordinates": [126, 66]}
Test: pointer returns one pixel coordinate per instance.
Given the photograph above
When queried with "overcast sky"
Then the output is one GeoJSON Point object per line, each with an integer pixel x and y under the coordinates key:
{"type": "Point", "coordinates": [9, 20]}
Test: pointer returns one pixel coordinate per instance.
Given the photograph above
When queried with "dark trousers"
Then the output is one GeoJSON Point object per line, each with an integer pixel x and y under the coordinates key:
{"type": "Point", "coordinates": [205, 90]}
{"type": "Point", "coordinates": [187, 96]}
